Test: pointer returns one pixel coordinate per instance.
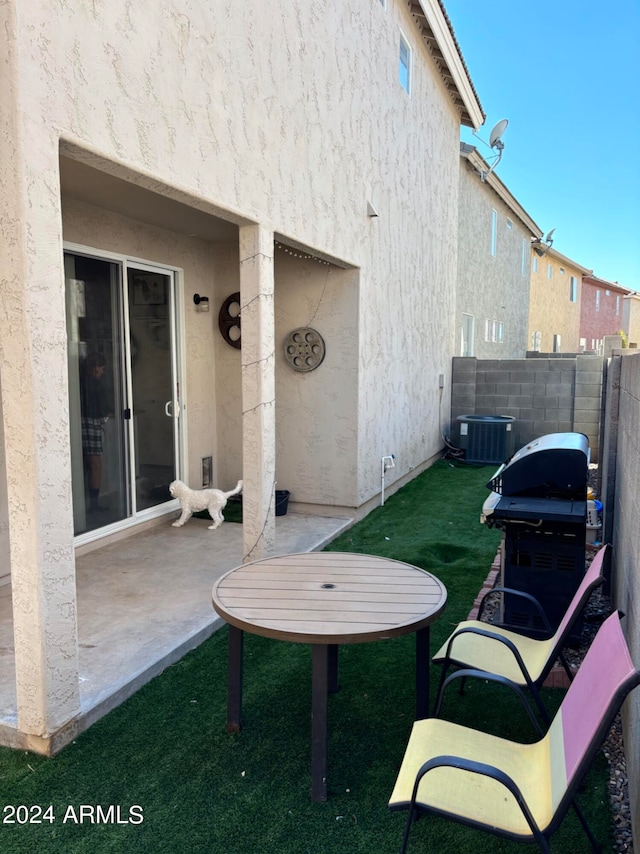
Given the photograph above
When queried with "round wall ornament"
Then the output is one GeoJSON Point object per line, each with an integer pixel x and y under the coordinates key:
{"type": "Point", "coordinates": [229, 320]}
{"type": "Point", "coordinates": [304, 349]}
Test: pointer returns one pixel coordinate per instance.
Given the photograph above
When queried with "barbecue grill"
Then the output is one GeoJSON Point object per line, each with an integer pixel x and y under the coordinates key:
{"type": "Point", "coordinates": [539, 502]}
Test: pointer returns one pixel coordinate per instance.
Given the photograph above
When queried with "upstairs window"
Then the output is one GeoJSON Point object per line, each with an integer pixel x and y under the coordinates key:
{"type": "Point", "coordinates": [494, 232]}
{"type": "Point", "coordinates": [467, 342]}
{"type": "Point", "coordinates": [573, 290]}
{"type": "Point", "coordinates": [525, 253]}
{"type": "Point", "coordinates": [597, 300]}
{"type": "Point", "coordinates": [549, 271]}
{"type": "Point", "coordinates": [618, 305]}
{"type": "Point", "coordinates": [494, 331]}
{"type": "Point", "coordinates": [405, 65]}
{"type": "Point", "coordinates": [535, 263]}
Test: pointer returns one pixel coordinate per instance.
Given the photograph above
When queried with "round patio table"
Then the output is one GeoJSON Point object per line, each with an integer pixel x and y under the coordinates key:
{"type": "Point", "coordinates": [326, 599]}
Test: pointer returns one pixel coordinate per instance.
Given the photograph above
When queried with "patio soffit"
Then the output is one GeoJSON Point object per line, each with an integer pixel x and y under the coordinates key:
{"type": "Point", "coordinates": [81, 181]}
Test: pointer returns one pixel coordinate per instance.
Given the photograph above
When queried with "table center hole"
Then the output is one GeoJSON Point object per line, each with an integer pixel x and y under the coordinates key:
{"type": "Point", "coordinates": [328, 586]}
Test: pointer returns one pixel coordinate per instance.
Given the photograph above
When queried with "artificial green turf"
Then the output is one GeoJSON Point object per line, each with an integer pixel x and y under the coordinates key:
{"type": "Point", "coordinates": [202, 790]}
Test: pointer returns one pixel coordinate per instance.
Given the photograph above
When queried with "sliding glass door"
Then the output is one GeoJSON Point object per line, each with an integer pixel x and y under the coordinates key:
{"type": "Point", "coordinates": [123, 391]}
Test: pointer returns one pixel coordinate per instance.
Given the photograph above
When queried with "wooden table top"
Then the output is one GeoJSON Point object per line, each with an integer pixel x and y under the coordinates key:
{"type": "Point", "coordinates": [329, 597]}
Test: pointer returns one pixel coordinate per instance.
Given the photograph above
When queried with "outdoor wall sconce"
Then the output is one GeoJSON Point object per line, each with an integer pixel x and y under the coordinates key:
{"type": "Point", "coordinates": [202, 303]}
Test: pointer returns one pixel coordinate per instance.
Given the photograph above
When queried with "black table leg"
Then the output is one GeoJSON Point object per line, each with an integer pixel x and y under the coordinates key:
{"type": "Point", "coordinates": [319, 724]}
{"type": "Point", "coordinates": [422, 673]}
{"type": "Point", "coordinates": [333, 668]}
{"type": "Point", "coordinates": [234, 680]}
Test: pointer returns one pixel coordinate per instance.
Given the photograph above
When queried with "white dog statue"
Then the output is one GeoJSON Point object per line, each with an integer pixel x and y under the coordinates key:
{"type": "Point", "coordinates": [195, 500]}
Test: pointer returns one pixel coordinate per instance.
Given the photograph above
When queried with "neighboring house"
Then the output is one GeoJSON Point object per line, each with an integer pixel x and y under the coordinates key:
{"type": "Point", "coordinates": [631, 318]}
{"type": "Point", "coordinates": [601, 312]}
{"type": "Point", "coordinates": [157, 162]}
{"type": "Point", "coordinates": [554, 307]}
{"type": "Point", "coordinates": [494, 250]}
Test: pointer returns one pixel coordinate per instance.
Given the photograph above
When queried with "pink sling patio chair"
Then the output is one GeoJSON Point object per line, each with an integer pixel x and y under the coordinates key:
{"type": "Point", "coordinates": [519, 791]}
{"type": "Point", "coordinates": [488, 651]}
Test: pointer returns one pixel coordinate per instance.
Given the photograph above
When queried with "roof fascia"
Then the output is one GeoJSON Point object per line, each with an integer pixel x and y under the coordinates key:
{"type": "Point", "coordinates": [433, 13]}
{"type": "Point", "coordinates": [480, 165]}
{"type": "Point", "coordinates": [565, 260]}
{"type": "Point", "coordinates": [604, 283]}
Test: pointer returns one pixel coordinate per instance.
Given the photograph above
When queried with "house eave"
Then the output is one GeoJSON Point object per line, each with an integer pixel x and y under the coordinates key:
{"type": "Point", "coordinates": [604, 283]}
{"type": "Point", "coordinates": [479, 165]}
{"type": "Point", "coordinates": [563, 259]}
{"type": "Point", "coordinates": [437, 34]}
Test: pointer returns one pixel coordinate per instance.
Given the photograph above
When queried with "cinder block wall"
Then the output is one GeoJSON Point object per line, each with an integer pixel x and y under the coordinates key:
{"type": "Point", "coordinates": [545, 393]}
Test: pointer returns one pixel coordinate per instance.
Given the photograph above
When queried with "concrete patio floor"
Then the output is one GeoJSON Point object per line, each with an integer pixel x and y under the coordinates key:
{"type": "Point", "coordinates": [143, 603]}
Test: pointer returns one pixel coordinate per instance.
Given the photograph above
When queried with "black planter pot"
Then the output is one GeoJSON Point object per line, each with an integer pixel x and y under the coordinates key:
{"type": "Point", "coordinates": [282, 501]}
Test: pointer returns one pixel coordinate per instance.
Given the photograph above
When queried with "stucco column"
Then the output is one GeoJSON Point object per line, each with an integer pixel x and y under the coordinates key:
{"type": "Point", "coordinates": [35, 458]}
{"type": "Point", "coordinates": [258, 391]}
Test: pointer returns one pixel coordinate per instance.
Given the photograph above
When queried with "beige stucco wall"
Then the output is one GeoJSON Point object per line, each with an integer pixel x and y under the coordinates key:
{"type": "Point", "coordinates": [550, 310]}
{"type": "Point", "coordinates": [317, 411]}
{"type": "Point", "coordinates": [490, 287]}
{"type": "Point", "coordinates": [291, 117]}
{"type": "Point", "coordinates": [278, 134]}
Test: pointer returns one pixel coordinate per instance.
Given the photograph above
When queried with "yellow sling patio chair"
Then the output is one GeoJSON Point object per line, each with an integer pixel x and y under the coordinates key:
{"type": "Point", "coordinates": [519, 791]}
{"type": "Point", "coordinates": [521, 662]}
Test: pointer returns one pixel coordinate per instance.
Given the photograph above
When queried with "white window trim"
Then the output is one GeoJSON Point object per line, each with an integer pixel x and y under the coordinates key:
{"type": "Point", "coordinates": [573, 289]}
{"type": "Point", "coordinates": [404, 41]}
{"type": "Point", "coordinates": [494, 232]}
{"type": "Point", "coordinates": [471, 343]}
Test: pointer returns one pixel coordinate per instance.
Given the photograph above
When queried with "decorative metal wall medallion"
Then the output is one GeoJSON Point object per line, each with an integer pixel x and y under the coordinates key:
{"type": "Point", "coordinates": [304, 349]}
{"type": "Point", "coordinates": [229, 320]}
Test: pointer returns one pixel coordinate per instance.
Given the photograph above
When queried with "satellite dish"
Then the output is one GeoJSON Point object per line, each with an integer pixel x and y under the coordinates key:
{"type": "Point", "coordinates": [495, 136]}
{"type": "Point", "coordinates": [549, 237]}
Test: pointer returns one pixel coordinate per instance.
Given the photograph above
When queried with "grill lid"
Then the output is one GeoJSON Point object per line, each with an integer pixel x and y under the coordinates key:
{"type": "Point", "coordinates": [553, 466]}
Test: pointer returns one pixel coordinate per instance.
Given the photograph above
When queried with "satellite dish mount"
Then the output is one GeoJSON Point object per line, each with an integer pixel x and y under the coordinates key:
{"type": "Point", "coordinates": [541, 247]}
{"type": "Point", "coordinates": [496, 144]}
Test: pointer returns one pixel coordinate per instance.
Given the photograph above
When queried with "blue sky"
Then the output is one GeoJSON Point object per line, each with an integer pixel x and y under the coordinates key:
{"type": "Point", "coordinates": [567, 76]}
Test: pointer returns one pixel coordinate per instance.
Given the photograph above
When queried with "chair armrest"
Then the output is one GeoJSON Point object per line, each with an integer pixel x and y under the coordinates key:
{"type": "Point", "coordinates": [490, 677]}
{"type": "Point", "coordinates": [513, 592]}
{"type": "Point", "coordinates": [463, 764]}
{"type": "Point", "coordinates": [487, 633]}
